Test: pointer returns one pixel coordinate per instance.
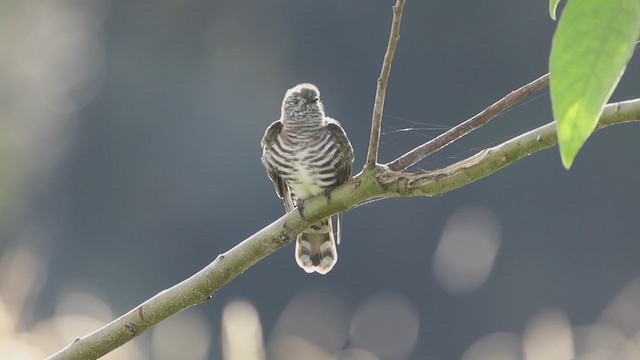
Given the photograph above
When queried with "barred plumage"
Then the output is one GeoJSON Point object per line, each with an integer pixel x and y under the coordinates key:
{"type": "Point", "coordinates": [306, 153]}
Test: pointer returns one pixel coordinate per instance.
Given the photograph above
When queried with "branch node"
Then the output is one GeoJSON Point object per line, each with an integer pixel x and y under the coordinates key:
{"type": "Point", "coordinates": [132, 329]}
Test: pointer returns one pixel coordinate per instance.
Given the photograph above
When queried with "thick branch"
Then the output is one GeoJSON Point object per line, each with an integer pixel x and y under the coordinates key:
{"type": "Point", "coordinates": [378, 105]}
{"type": "Point", "coordinates": [378, 182]}
{"type": "Point", "coordinates": [200, 287]}
{"type": "Point", "coordinates": [430, 147]}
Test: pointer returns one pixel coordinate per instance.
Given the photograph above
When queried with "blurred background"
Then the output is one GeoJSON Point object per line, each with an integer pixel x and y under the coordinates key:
{"type": "Point", "coordinates": [130, 158]}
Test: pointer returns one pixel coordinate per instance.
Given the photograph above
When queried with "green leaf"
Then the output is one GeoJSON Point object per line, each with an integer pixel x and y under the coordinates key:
{"type": "Point", "coordinates": [553, 6]}
{"type": "Point", "coordinates": [591, 47]}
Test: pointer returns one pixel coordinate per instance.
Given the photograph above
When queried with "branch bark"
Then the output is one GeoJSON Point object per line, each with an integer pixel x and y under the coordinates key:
{"type": "Point", "coordinates": [381, 89]}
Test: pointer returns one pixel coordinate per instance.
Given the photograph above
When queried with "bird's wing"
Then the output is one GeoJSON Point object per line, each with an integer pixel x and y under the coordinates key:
{"type": "Point", "coordinates": [344, 165]}
{"type": "Point", "coordinates": [345, 151]}
{"type": "Point", "coordinates": [282, 190]}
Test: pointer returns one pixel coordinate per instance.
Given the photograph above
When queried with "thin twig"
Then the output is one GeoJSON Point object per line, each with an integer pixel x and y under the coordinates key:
{"type": "Point", "coordinates": [378, 105]}
{"type": "Point", "coordinates": [416, 155]}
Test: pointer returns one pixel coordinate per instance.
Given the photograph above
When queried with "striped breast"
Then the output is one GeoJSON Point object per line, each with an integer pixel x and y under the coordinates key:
{"type": "Point", "coordinates": [305, 161]}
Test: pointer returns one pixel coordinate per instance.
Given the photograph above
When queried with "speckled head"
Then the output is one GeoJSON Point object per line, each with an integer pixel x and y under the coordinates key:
{"type": "Point", "coordinates": [302, 103]}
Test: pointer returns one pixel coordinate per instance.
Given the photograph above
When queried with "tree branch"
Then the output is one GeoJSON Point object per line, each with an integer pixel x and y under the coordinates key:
{"type": "Point", "coordinates": [381, 89]}
{"type": "Point", "coordinates": [379, 182]}
{"type": "Point", "coordinates": [375, 181]}
{"type": "Point", "coordinates": [419, 153]}
{"type": "Point", "coordinates": [488, 161]}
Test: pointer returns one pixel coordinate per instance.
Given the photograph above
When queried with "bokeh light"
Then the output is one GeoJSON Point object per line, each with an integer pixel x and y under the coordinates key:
{"type": "Point", "coordinates": [318, 317]}
{"type": "Point", "coordinates": [185, 336]}
{"type": "Point", "coordinates": [355, 354]}
{"type": "Point", "coordinates": [467, 249]}
{"type": "Point", "coordinates": [289, 347]}
{"type": "Point", "coordinates": [549, 336]}
{"type": "Point", "coordinates": [52, 65]}
{"type": "Point", "coordinates": [496, 346]}
{"type": "Point", "coordinates": [387, 325]}
{"type": "Point", "coordinates": [623, 312]}
{"type": "Point", "coordinates": [600, 342]}
{"type": "Point", "coordinates": [241, 332]}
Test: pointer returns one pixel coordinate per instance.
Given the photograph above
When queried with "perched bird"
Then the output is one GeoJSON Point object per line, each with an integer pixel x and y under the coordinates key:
{"type": "Point", "coordinates": [307, 153]}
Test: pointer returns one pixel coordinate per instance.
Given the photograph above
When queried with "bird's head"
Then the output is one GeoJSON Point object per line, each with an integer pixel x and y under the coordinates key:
{"type": "Point", "coordinates": [302, 102]}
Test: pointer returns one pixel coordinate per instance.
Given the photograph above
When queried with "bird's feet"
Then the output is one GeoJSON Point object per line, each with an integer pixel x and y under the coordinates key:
{"type": "Point", "coordinates": [299, 203]}
{"type": "Point", "coordinates": [327, 193]}
{"type": "Point", "coordinates": [300, 207]}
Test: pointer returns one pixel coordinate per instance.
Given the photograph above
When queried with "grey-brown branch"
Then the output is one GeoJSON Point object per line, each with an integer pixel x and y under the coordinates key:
{"type": "Point", "coordinates": [379, 182]}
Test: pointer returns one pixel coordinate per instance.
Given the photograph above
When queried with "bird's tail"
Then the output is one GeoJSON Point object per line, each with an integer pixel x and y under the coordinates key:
{"type": "Point", "coordinates": [316, 248]}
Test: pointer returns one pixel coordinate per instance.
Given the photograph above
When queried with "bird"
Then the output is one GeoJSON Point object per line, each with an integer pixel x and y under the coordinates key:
{"type": "Point", "coordinates": [307, 153]}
